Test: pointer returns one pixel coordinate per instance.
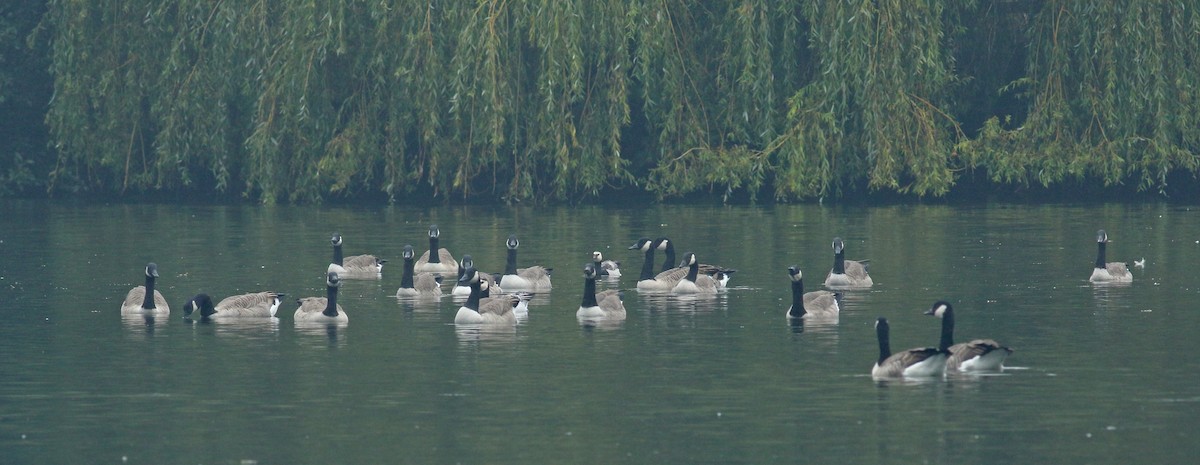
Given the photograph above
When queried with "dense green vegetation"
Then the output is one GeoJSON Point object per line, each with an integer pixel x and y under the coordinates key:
{"type": "Point", "coordinates": [546, 100]}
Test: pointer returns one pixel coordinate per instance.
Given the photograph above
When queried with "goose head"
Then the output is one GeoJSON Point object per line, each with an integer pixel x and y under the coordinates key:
{"type": "Point", "coordinates": [589, 271]}
{"type": "Point", "coordinates": [151, 270]}
{"type": "Point", "coordinates": [643, 244]}
{"type": "Point", "coordinates": [469, 277]}
{"type": "Point", "coordinates": [794, 273]}
{"type": "Point", "coordinates": [408, 252]}
{"type": "Point", "coordinates": [336, 240]}
{"type": "Point", "coordinates": [466, 262]}
{"type": "Point", "coordinates": [689, 259]}
{"type": "Point", "coordinates": [200, 302]}
{"type": "Point", "coordinates": [434, 232]}
{"type": "Point", "coordinates": [838, 245]}
{"type": "Point", "coordinates": [940, 309]}
{"type": "Point", "coordinates": [512, 242]}
{"type": "Point", "coordinates": [333, 280]}
{"type": "Point", "coordinates": [1101, 236]}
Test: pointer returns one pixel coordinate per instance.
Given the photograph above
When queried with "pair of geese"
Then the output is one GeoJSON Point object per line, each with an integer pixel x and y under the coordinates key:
{"type": "Point", "coordinates": [145, 300]}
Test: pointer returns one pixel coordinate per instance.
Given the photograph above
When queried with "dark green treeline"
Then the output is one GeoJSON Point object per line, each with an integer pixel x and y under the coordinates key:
{"type": "Point", "coordinates": [548, 100]}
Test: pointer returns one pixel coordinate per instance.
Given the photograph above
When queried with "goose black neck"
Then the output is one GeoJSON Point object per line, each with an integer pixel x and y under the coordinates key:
{"type": "Point", "coordinates": [797, 298]}
{"type": "Point", "coordinates": [434, 255]}
{"type": "Point", "coordinates": [206, 306]}
{"type": "Point", "coordinates": [589, 293]}
{"type": "Point", "coordinates": [510, 264]}
{"type": "Point", "coordinates": [148, 300]}
{"type": "Point", "coordinates": [839, 263]}
{"type": "Point", "coordinates": [473, 301]}
{"type": "Point", "coordinates": [337, 255]}
{"type": "Point", "coordinates": [670, 262]}
{"type": "Point", "coordinates": [648, 266]}
{"type": "Point", "coordinates": [406, 281]}
{"type": "Point", "coordinates": [693, 271]}
{"type": "Point", "coordinates": [947, 329]}
{"type": "Point", "coordinates": [600, 271]}
{"type": "Point", "coordinates": [1101, 259]}
{"type": "Point", "coordinates": [331, 293]}
{"type": "Point", "coordinates": [885, 349]}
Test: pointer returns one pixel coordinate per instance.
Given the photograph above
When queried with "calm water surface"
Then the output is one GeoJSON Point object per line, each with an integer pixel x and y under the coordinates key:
{"type": "Point", "coordinates": [1101, 375]}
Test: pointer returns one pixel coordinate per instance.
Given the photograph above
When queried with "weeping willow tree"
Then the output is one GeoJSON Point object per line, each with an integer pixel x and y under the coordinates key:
{"type": "Point", "coordinates": [563, 100]}
{"type": "Point", "coordinates": [1114, 98]}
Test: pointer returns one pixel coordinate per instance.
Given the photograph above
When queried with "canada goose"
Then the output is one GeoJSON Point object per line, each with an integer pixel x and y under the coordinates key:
{"type": "Point", "coordinates": [436, 260]}
{"type": "Point", "coordinates": [534, 278]}
{"type": "Point", "coordinates": [694, 282]}
{"type": "Point", "coordinates": [145, 300]}
{"type": "Point", "coordinates": [977, 355]}
{"type": "Point", "coordinates": [648, 281]}
{"type": "Point", "coordinates": [477, 310]}
{"type": "Point", "coordinates": [608, 268]}
{"type": "Point", "coordinates": [323, 309]}
{"type": "Point", "coordinates": [254, 305]}
{"type": "Point", "coordinates": [847, 273]}
{"type": "Point", "coordinates": [422, 284]}
{"type": "Point", "coordinates": [815, 304]}
{"type": "Point", "coordinates": [605, 305]}
{"type": "Point", "coordinates": [1108, 272]}
{"type": "Point", "coordinates": [915, 363]}
{"type": "Point", "coordinates": [358, 266]}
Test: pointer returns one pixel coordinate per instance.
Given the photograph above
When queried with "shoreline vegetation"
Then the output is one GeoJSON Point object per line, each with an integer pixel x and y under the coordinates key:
{"type": "Point", "coordinates": [586, 101]}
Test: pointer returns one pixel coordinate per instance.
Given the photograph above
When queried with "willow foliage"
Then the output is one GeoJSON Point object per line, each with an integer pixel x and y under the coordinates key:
{"type": "Point", "coordinates": [537, 99]}
{"type": "Point", "coordinates": [1114, 97]}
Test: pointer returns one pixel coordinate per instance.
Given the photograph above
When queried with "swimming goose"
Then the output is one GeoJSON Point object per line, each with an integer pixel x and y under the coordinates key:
{"type": "Point", "coordinates": [534, 278]}
{"type": "Point", "coordinates": [846, 273]}
{"type": "Point", "coordinates": [694, 282]}
{"type": "Point", "coordinates": [355, 267]}
{"type": "Point", "coordinates": [912, 363]}
{"type": "Point", "coordinates": [606, 305]}
{"type": "Point", "coordinates": [608, 268]}
{"type": "Point", "coordinates": [436, 260]}
{"type": "Point", "coordinates": [1108, 272]}
{"type": "Point", "coordinates": [254, 305]}
{"type": "Point", "coordinates": [477, 310]}
{"type": "Point", "coordinates": [323, 309]}
{"type": "Point", "coordinates": [815, 304]}
{"type": "Point", "coordinates": [977, 355]}
{"type": "Point", "coordinates": [145, 300]}
{"type": "Point", "coordinates": [673, 272]}
{"type": "Point", "coordinates": [422, 284]}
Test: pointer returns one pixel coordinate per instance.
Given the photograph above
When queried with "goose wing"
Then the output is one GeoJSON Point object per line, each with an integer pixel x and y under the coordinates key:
{"type": "Point", "coordinates": [135, 297]}
{"type": "Point", "coordinates": [426, 282]}
{"type": "Point", "coordinates": [856, 269]}
{"type": "Point", "coordinates": [500, 306]}
{"type": "Point", "coordinates": [1117, 269]}
{"type": "Point", "coordinates": [360, 261]}
{"type": "Point", "coordinates": [258, 303]}
{"type": "Point", "coordinates": [977, 348]}
{"type": "Point", "coordinates": [898, 362]}
{"type": "Point", "coordinates": [821, 303]}
{"type": "Point", "coordinates": [533, 273]}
